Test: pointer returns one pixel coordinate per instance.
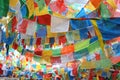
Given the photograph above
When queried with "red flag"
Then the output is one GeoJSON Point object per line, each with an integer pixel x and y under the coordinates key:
{"type": "Point", "coordinates": [38, 41]}
{"type": "Point", "coordinates": [14, 23]}
{"type": "Point", "coordinates": [115, 59]}
{"type": "Point", "coordinates": [97, 56]}
{"type": "Point", "coordinates": [55, 60]}
{"type": "Point", "coordinates": [101, 78]}
{"type": "Point", "coordinates": [38, 51]}
{"type": "Point", "coordinates": [62, 40]}
{"type": "Point", "coordinates": [91, 74]}
{"type": "Point", "coordinates": [1, 71]}
{"type": "Point", "coordinates": [58, 6]}
{"type": "Point", "coordinates": [8, 58]}
{"type": "Point", "coordinates": [29, 56]}
{"type": "Point", "coordinates": [15, 45]}
{"type": "Point", "coordinates": [89, 35]}
{"type": "Point", "coordinates": [23, 41]}
{"type": "Point", "coordinates": [40, 73]}
{"type": "Point", "coordinates": [23, 26]}
{"type": "Point", "coordinates": [35, 4]}
{"type": "Point", "coordinates": [49, 75]}
{"type": "Point", "coordinates": [114, 75]}
{"type": "Point", "coordinates": [47, 2]}
{"type": "Point", "coordinates": [1, 65]}
{"type": "Point", "coordinates": [74, 71]}
{"type": "Point", "coordinates": [44, 19]}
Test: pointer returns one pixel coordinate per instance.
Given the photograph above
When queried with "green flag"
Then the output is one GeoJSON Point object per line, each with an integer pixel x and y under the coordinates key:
{"type": "Point", "coordinates": [93, 46]}
{"type": "Point", "coordinates": [104, 63]}
{"type": "Point", "coordinates": [81, 45]}
{"type": "Point", "coordinates": [104, 11]}
{"type": "Point", "coordinates": [36, 58]}
{"type": "Point", "coordinates": [20, 49]}
{"type": "Point", "coordinates": [56, 52]}
{"type": "Point", "coordinates": [4, 6]}
{"type": "Point", "coordinates": [118, 76]}
{"type": "Point", "coordinates": [41, 4]}
{"type": "Point", "coordinates": [70, 37]}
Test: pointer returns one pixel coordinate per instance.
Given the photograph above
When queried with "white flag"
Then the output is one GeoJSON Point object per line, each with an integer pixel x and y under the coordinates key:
{"type": "Point", "coordinates": [59, 24]}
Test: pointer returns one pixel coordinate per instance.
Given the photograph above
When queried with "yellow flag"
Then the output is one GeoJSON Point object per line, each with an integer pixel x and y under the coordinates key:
{"type": "Point", "coordinates": [58, 15]}
{"type": "Point", "coordinates": [87, 65]}
{"type": "Point", "coordinates": [3, 21]}
{"type": "Point", "coordinates": [90, 7]}
{"type": "Point", "coordinates": [97, 77]}
{"type": "Point", "coordinates": [112, 3]}
{"type": "Point", "coordinates": [27, 41]}
{"type": "Point", "coordinates": [66, 76]}
{"type": "Point", "coordinates": [47, 53]}
{"type": "Point", "coordinates": [38, 67]}
{"type": "Point", "coordinates": [99, 36]}
{"type": "Point", "coordinates": [46, 59]}
{"type": "Point", "coordinates": [13, 3]}
{"type": "Point", "coordinates": [34, 35]}
{"type": "Point", "coordinates": [62, 71]}
{"type": "Point", "coordinates": [49, 33]}
{"type": "Point", "coordinates": [24, 62]}
{"type": "Point", "coordinates": [30, 5]}
{"type": "Point", "coordinates": [41, 12]}
{"type": "Point", "coordinates": [6, 20]}
{"type": "Point", "coordinates": [3, 52]}
{"type": "Point", "coordinates": [70, 13]}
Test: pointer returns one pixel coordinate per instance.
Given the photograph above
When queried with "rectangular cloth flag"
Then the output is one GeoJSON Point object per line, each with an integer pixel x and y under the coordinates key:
{"type": "Point", "coordinates": [4, 6]}
{"type": "Point", "coordinates": [109, 28]}
{"type": "Point", "coordinates": [81, 53]}
{"type": "Point", "coordinates": [13, 3]}
{"type": "Point", "coordinates": [59, 24]}
{"type": "Point", "coordinates": [31, 28]}
{"type": "Point", "coordinates": [67, 58]}
{"type": "Point", "coordinates": [30, 5]}
{"type": "Point", "coordinates": [56, 52]}
{"type": "Point", "coordinates": [67, 49]}
{"type": "Point", "coordinates": [36, 58]}
{"type": "Point", "coordinates": [55, 60]}
{"type": "Point", "coordinates": [93, 46]}
{"type": "Point", "coordinates": [82, 44]}
{"type": "Point", "coordinates": [44, 19]}
{"type": "Point", "coordinates": [49, 33]}
{"type": "Point", "coordinates": [76, 35]}
{"type": "Point", "coordinates": [104, 63]}
{"type": "Point", "coordinates": [23, 26]}
{"type": "Point", "coordinates": [41, 4]}
{"type": "Point", "coordinates": [41, 31]}
{"type": "Point", "coordinates": [69, 36]}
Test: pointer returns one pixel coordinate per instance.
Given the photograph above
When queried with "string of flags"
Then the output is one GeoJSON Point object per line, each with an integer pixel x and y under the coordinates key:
{"type": "Point", "coordinates": [78, 35]}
